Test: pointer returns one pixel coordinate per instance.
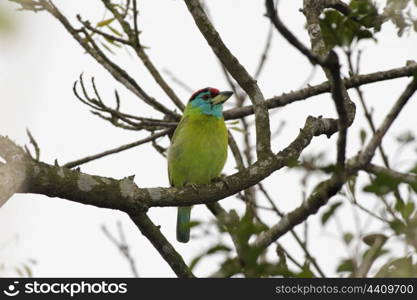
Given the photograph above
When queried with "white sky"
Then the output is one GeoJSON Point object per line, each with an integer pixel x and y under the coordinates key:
{"type": "Point", "coordinates": [40, 62]}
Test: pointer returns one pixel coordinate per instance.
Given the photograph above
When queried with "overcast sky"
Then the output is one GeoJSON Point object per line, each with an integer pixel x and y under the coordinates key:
{"type": "Point", "coordinates": [39, 63]}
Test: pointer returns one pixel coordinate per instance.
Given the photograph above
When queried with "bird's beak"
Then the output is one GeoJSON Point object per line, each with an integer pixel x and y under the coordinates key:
{"type": "Point", "coordinates": [221, 97]}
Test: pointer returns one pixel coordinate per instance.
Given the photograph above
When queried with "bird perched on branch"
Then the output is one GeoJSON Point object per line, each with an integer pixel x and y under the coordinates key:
{"type": "Point", "coordinates": [198, 149]}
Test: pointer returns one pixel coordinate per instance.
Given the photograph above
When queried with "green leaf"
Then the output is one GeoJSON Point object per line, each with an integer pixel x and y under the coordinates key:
{"type": "Point", "coordinates": [352, 184]}
{"type": "Point", "coordinates": [347, 237]}
{"type": "Point", "coordinates": [362, 136]}
{"type": "Point", "coordinates": [28, 270]}
{"type": "Point", "coordinates": [399, 205]}
{"type": "Point", "coordinates": [414, 170]}
{"type": "Point", "coordinates": [107, 48]}
{"type": "Point", "coordinates": [230, 267]}
{"type": "Point", "coordinates": [370, 239]}
{"type": "Point", "coordinates": [115, 31]}
{"type": "Point", "coordinates": [210, 251]}
{"type": "Point", "coordinates": [192, 224]}
{"type": "Point", "coordinates": [293, 162]}
{"type": "Point", "coordinates": [365, 12]}
{"type": "Point", "coordinates": [306, 272]}
{"type": "Point", "coordinates": [218, 248]}
{"type": "Point", "coordinates": [405, 138]}
{"type": "Point", "coordinates": [400, 267]}
{"type": "Point", "coordinates": [329, 169]}
{"type": "Point", "coordinates": [340, 30]}
{"type": "Point", "coordinates": [382, 185]}
{"type": "Point", "coordinates": [332, 209]}
{"type": "Point", "coordinates": [105, 22]}
{"type": "Point", "coordinates": [407, 210]}
{"type": "Point", "coordinates": [19, 272]}
{"type": "Point", "coordinates": [111, 41]}
{"type": "Point", "coordinates": [346, 265]}
{"type": "Point", "coordinates": [238, 129]}
{"type": "Point", "coordinates": [398, 226]}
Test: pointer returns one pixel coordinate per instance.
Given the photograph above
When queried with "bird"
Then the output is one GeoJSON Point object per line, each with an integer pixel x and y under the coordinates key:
{"type": "Point", "coordinates": [198, 149]}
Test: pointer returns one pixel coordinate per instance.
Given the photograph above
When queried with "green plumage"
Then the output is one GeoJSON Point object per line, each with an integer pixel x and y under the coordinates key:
{"type": "Point", "coordinates": [197, 155]}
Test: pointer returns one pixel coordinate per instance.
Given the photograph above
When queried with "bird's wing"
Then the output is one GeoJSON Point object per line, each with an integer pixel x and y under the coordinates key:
{"type": "Point", "coordinates": [174, 149]}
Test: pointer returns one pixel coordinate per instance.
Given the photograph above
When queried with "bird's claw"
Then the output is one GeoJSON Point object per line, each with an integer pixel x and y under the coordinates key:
{"type": "Point", "coordinates": [193, 186]}
{"type": "Point", "coordinates": [223, 179]}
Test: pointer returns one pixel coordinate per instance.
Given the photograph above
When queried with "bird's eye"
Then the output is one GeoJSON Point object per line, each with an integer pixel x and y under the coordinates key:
{"type": "Point", "coordinates": [205, 97]}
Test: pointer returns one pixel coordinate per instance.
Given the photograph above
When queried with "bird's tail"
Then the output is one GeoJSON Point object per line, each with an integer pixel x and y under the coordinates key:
{"type": "Point", "coordinates": [183, 224]}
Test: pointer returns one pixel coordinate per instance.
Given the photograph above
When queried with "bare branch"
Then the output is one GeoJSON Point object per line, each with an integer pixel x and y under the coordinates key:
{"type": "Point", "coordinates": [368, 116]}
{"type": "Point", "coordinates": [329, 61]}
{"type": "Point", "coordinates": [369, 151]}
{"type": "Point", "coordinates": [165, 249]}
{"type": "Point", "coordinates": [264, 55]}
{"type": "Point", "coordinates": [291, 38]}
{"type": "Point", "coordinates": [108, 36]}
{"type": "Point", "coordinates": [338, 89]}
{"type": "Point", "coordinates": [370, 257]}
{"type": "Point", "coordinates": [87, 159]}
{"type": "Point", "coordinates": [308, 92]}
{"type": "Point", "coordinates": [178, 81]}
{"type": "Point", "coordinates": [292, 231]}
{"type": "Point", "coordinates": [98, 106]}
{"type": "Point", "coordinates": [134, 42]}
{"type": "Point", "coordinates": [118, 73]}
{"type": "Point", "coordinates": [239, 73]}
{"type": "Point", "coordinates": [34, 144]}
{"type": "Point", "coordinates": [321, 195]}
{"type": "Point", "coordinates": [122, 246]}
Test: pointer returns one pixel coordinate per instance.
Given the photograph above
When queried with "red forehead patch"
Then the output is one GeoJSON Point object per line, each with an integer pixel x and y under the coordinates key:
{"type": "Point", "coordinates": [214, 92]}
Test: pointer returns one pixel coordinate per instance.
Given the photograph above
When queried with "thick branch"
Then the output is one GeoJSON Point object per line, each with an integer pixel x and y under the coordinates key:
{"type": "Point", "coordinates": [55, 181]}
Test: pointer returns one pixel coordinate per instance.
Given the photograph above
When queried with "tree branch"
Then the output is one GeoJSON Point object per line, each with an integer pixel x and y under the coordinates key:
{"type": "Point", "coordinates": [369, 151]}
{"type": "Point", "coordinates": [134, 43]}
{"type": "Point", "coordinates": [158, 240]}
{"type": "Point", "coordinates": [87, 159]}
{"type": "Point", "coordinates": [55, 181]}
{"type": "Point", "coordinates": [239, 73]}
{"type": "Point", "coordinates": [403, 177]}
{"type": "Point", "coordinates": [308, 92]}
{"type": "Point", "coordinates": [122, 246]}
{"type": "Point", "coordinates": [320, 196]}
{"type": "Point", "coordinates": [118, 73]}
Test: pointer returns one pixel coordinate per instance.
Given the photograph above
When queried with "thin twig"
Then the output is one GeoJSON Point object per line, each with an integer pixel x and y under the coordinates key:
{"type": "Point", "coordinates": [161, 244]}
{"type": "Point", "coordinates": [122, 246]}
{"type": "Point", "coordinates": [293, 233]}
{"type": "Point", "coordinates": [84, 160]}
{"type": "Point", "coordinates": [133, 35]}
{"type": "Point", "coordinates": [367, 154]}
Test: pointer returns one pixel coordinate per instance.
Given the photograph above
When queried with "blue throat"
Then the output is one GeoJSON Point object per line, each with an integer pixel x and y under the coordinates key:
{"type": "Point", "coordinates": [207, 108]}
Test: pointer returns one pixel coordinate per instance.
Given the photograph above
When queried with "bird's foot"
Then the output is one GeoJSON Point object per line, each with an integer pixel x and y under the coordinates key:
{"type": "Point", "coordinates": [222, 178]}
{"type": "Point", "coordinates": [193, 186]}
